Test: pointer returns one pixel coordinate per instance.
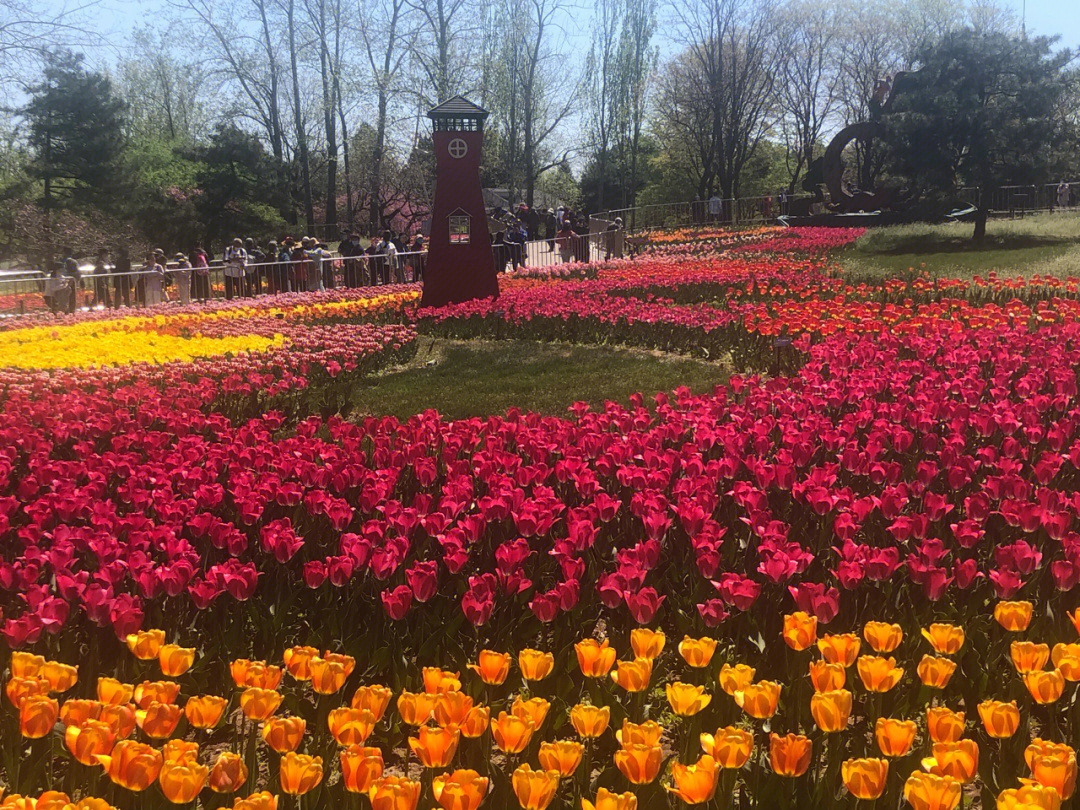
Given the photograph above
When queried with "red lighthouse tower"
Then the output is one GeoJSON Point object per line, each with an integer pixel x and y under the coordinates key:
{"type": "Point", "coordinates": [460, 265]}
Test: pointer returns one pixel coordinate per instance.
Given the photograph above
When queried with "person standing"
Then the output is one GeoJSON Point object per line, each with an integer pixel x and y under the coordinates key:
{"type": "Point", "coordinates": [153, 280]}
{"type": "Point", "coordinates": [313, 265]}
{"type": "Point", "coordinates": [284, 258]}
{"type": "Point", "coordinates": [181, 274]}
{"type": "Point", "coordinates": [56, 288]}
{"type": "Point", "coordinates": [347, 247]}
{"type": "Point", "coordinates": [235, 268]}
{"type": "Point", "coordinates": [393, 270]}
{"type": "Point", "coordinates": [613, 240]}
{"type": "Point", "coordinates": [122, 277]}
{"type": "Point", "coordinates": [254, 270]}
{"type": "Point", "coordinates": [418, 256]}
{"type": "Point", "coordinates": [101, 284]}
{"type": "Point", "coordinates": [71, 270]}
{"type": "Point", "coordinates": [1063, 195]}
{"type": "Point", "coordinates": [200, 277]}
{"type": "Point", "coordinates": [328, 265]}
{"type": "Point", "coordinates": [564, 240]}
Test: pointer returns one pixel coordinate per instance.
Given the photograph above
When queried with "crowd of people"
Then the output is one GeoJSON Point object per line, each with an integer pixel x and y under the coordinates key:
{"type": "Point", "coordinates": [291, 265]}
{"type": "Point", "coordinates": [566, 232]}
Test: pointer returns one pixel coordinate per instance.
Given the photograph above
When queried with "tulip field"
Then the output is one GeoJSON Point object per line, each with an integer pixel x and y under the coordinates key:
{"type": "Point", "coordinates": [845, 577]}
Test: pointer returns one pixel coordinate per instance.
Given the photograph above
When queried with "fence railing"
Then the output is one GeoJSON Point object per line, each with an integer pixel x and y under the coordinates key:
{"type": "Point", "coordinates": [31, 291]}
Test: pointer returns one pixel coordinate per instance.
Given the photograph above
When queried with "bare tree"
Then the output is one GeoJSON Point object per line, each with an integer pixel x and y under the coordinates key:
{"type": "Point", "coordinates": [326, 22]}
{"type": "Point", "coordinates": [638, 59]}
{"type": "Point", "coordinates": [810, 61]}
{"type": "Point", "coordinates": [29, 28]}
{"type": "Point", "coordinates": [298, 113]}
{"type": "Point", "coordinates": [604, 84]}
{"type": "Point", "coordinates": [160, 89]}
{"type": "Point", "coordinates": [389, 35]}
{"type": "Point", "coordinates": [731, 45]}
{"type": "Point", "coordinates": [442, 50]}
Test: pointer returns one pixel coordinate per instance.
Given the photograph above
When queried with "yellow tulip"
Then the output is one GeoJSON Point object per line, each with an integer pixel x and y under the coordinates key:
{"type": "Point", "coordinates": [831, 710]}
{"type": "Point", "coordinates": [730, 747]}
{"type": "Point", "coordinates": [535, 665]}
{"type": "Point", "coordinates": [827, 677]}
{"type": "Point", "coordinates": [865, 778]}
{"type": "Point", "coordinates": [944, 725]}
{"type": "Point", "coordinates": [759, 699]}
{"type": "Point", "coordinates": [1000, 719]}
{"type": "Point", "coordinates": [883, 637]}
{"type": "Point", "coordinates": [1013, 616]}
{"type": "Point", "coordinates": [879, 674]}
{"type": "Point", "coordinates": [685, 699]}
{"type": "Point", "coordinates": [647, 643]}
{"type": "Point", "coordinates": [800, 630]}
{"type": "Point", "coordinates": [633, 676]}
{"type": "Point", "coordinates": [300, 773]}
{"type": "Point", "coordinates": [734, 678]}
{"type": "Point", "coordinates": [1028, 656]}
{"type": "Point", "coordinates": [925, 791]}
{"type": "Point", "coordinates": [697, 652]}
{"type": "Point", "coordinates": [894, 737]}
{"type": "Point", "coordinates": [534, 789]}
{"type": "Point", "coordinates": [839, 649]}
{"type": "Point", "coordinates": [590, 721]}
{"type": "Point", "coordinates": [959, 759]}
{"type": "Point", "coordinates": [935, 672]}
{"type": "Point", "coordinates": [639, 763]}
{"type": "Point", "coordinates": [563, 756]}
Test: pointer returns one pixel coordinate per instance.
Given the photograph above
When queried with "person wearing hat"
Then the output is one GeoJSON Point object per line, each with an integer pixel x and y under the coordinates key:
{"type": "Point", "coordinates": [153, 279]}
{"type": "Point", "coordinates": [253, 273]}
{"type": "Point", "coordinates": [200, 274]}
{"type": "Point", "coordinates": [181, 276]}
{"type": "Point", "coordinates": [236, 260]}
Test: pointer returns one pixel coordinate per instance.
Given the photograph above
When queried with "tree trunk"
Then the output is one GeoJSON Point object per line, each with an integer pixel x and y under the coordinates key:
{"type": "Point", "coordinates": [981, 214]}
{"type": "Point", "coordinates": [375, 217]}
{"type": "Point", "coordinates": [345, 157]}
{"type": "Point", "coordinates": [329, 122]}
{"type": "Point", "coordinates": [288, 211]}
{"type": "Point", "coordinates": [301, 134]}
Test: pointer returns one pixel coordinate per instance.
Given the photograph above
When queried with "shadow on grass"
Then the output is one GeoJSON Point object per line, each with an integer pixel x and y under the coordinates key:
{"type": "Point", "coordinates": [474, 378]}
{"type": "Point", "coordinates": [940, 243]}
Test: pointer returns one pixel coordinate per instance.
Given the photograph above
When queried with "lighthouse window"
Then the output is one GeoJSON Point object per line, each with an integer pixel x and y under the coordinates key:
{"type": "Point", "coordinates": [459, 229]}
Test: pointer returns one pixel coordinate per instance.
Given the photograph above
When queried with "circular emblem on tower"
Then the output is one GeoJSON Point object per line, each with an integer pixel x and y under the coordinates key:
{"type": "Point", "coordinates": [457, 148]}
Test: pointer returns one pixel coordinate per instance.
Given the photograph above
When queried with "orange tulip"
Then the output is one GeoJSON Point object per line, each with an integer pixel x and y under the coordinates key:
{"type": "Point", "coordinates": [1013, 616]}
{"type": "Point", "coordinates": [925, 791]}
{"type": "Point", "coordinates": [590, 721]}
{"type": "Point", "coordinates": [300, 773]}
{"type": "Point", "coordinates": [476, 721]}
{"type": "Point", "coordinates": [633, 676]}
{"type": "Point", "coordinates": [492, 667]}
{"type": "Point", "coordinates": [685, 699]}
{"type": "Point", "coordinates": [944, 725]}
{"type": "Point", "coordinates": [121, 719]}
{"type": "Point", "coordinates": [729, 746]}
{"type": "Point", "coordinates": [827, 677]}
{"type": "Point", "coordinates": [534, 789]}
{"type": "Point", "coordinates": [511, 732]}
{"type": "Point", "coordinates": [394, 793]}
{"type": "Point", "coordinates": [935, 672]}
{"type": "Point", "coordinates": [882, 636]}
{"type": "Point", "coordinates": [327, 677]}
{"type": "Point", "coordinates": [49, 800]}
{"type": "Point", "coordinates": [26, 665]}
{"type": "Point", "coordinates": [563, 756]}
{"type": "Point", "coordinates": [1000, 719]}
{"type": "Point", "coordinates": [298, 662]}
{"type": "Point", "coordinates": [37, 716]}
{"type": "Point", "coordinates": [158, 720]}
{"type": "Point", "coordinates": [374, 698]}
{"type": "Point", "coordinates": [460, 790]}
{"type": "Point", "coordinates": [258, 674]}
{"type": "Point", "coordinates": [259, 704]}
{"type": "Point", "coordinates": [1074, 617]}
{"type": "Point", "coordinates": [175, 660]}
{"type": "Point", "coordinates": [1045, 686]}
{"type": "Point", "coordinates": [228, 774]}
{"type": "Point", "coordinates": [647, 733]}
{"type": "Point", "coordinates": [734, 678]}
{"type": "Point", "coordinates": [360, 767]}
{"type": "Point", "coordinates": [759, 699]}
{"type": "Point", "coordinates": [263, 800]}
{"type": "Point", "coordinates": [831, 710]}
{"type": "Point", "coordinates": [75, 712]}
{"type": "Point", "coordinates": [451, 708]}
{"type": "Point", "coordinates": [959, 759]}
{"type": "Point", "coordinates": [1029, 796]}
{"type": "Point", "coordinates": [606, 800]}
{"type": "Point", "coordinates": [879, 674]}
{"type": "Point", "coordinates": [284, 734]}
{"type": "Point", "coordinates": [1052, 765]}
{"type": "Point", "coordinates": [350, 726]}
{"type": "Point", "coordinates": [647, 643]}
{"type": "Point", "coordinates": [348, 663]}
{"type": "Point", "coordinates": [1066, 657]}
{"type": "Point", "coordinates": [639, 763]}
{"type": "Point", "coordinates": [132, 765]}
{"type": "Point", "coordinates": [149, 692]}
{"type": "Point", "coordinates": [839, 649]}
{"type": "Point", "coordinates": [946, 639]}
{"type": "Point", "coordinates": [790, 755]}
{"type": "Point", "coordinates": [440, 680]}
{"type": "Point", "coordinates": [1028, 656]}
{"type": "Point", "coordinates": [695, 784]}
{"type": "Point", "coordinates": [415, 708]}
{"type": "Point", "coordinates": [865, 778]}
{"type": "Point", "coordinates": [894, 737]}
{"type": "Point", "coordinates": [145, 644]}
{"type": "Point", "coordinates": [697, 652]}
{"type": "Point", "coordinates": [535, 709]}
{"type": "Point", "coordinates": [181, 782]}
{"type": "Point", "coordinates": [435, 746]}
{"type": "Point", "coordinates": [205, 711]}
{"type": "Point", "coordinates": [61, 677]}
{"type": "Point", "coordinates": [535, 665]}
{"type": "Point", "coordinates": [110, 690]}
{"type": "Point", "coordinates": [89, 739]}
{"type": "Point", "coordinates": [800, 630]}
{"type": "Point", "coordinates": [595, 658]}
{"type": "Point", "coordinates": [18, 689]}
{"type": "Point", "coordinates": [180, 751]}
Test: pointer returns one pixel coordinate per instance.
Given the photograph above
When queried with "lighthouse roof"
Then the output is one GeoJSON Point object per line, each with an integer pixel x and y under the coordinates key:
{"type": "Point", "coordinates": [457, 107]}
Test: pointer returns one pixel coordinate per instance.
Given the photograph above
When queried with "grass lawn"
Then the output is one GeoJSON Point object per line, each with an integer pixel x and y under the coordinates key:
{"type": "Point", "coordinates": [475, 378]}
{"type": "Point", "coordinates": [1044, 244]}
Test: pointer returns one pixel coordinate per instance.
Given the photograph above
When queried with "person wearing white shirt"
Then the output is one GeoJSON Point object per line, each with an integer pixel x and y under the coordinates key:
{"type": "Point", "coordinates": [235, 262]}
